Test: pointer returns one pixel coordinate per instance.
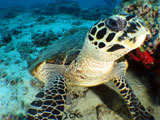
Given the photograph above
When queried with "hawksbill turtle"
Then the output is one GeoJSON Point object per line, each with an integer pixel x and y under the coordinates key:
{"type": "Point", "coordinates": [97, 62]}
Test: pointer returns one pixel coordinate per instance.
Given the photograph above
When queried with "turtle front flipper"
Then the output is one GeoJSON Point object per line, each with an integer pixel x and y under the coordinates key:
{"type": "Point", "coordinates": [135, 107]}
{"type": "Point", "coordinates": [49, 102]}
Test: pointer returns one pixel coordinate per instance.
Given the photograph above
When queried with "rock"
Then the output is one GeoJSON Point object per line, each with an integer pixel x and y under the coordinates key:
{"type": "Point", "coordinates": [148, 12]}
{"type": "Point", "coordinates": [9, 48]}
{"type": "Point", "coordinates": [26, 50]}
{"type": "Point", "coordinates": [6, 37]}
{"type": "Point", "coordinates": [41, 18]}
{"type": "Point", "coordinates": [48, 21]}
{"type": "Point", "coordinates": [16, 31]}
{"type": "Point", "coordinates": [43, 39]}
{"type": "Point", "coordinates": [25, 47]}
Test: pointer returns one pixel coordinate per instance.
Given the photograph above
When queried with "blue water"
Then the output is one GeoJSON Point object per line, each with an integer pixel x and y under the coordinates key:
{"type": "Point", "coordinates": [82, 3]}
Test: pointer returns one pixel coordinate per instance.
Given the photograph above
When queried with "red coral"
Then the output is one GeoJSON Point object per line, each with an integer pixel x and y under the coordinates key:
{"type": "Point", "coordinates": [144, 57]}
{"type": "Point", "coordinates": [147, 59]}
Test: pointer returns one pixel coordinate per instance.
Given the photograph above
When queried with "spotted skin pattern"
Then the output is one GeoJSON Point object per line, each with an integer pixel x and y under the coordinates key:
{"type": "Point", "coordinates": [135, 107]}
{"type": "Point", "coordinates": [101, 36]}
{"type": "Point", "coordinates": [113, 37]}
{"type": "Point", "coordinates": [49, 102]}
{"type": "Point", "coordinates": [110, 38]}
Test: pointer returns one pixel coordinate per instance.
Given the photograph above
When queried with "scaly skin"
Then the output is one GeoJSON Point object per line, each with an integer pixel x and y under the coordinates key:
{"type": "Point", "coordinates": [94, 64]}
{"type": "Point", "coordinates": [97, 63]}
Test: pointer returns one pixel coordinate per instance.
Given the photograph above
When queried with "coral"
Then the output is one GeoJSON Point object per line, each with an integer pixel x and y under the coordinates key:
{"type": "Point", "coordinates": [148, 11]}
{"type": "Point", "coordinates": [16, 31]}
{"type": "Point", "coordinates": [40, 18]}
{"type": "Point", "coordinates": [43, 39]}
{"type": "Point", "coordinates": [6, 37]}
{"type": "Point", "coordinates": [48, 21]}
{"type": "Point", "coordinates": [9, 48]}
{"type": "Point", "coordinates": [25, 47]}
{"type": "Point", "coordinates": [146, 58]}
{"type": "Point", "coordinates": [45, 20]}
{"type": "Point", "coordinates": [149, 53]}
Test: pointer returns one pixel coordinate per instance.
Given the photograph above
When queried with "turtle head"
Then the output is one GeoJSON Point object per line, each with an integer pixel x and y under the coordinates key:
{"type": "Point", "coordinates": [113, 37]}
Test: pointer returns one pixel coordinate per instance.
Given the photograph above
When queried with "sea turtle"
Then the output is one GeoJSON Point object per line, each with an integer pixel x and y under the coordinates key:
{"type": "Point", "coordinates": [98, 62]}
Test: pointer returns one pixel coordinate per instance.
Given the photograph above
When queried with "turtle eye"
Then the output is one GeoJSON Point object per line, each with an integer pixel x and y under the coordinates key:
{"type": "Point", "coordinates": [112, 23]}
{"type": "Point", "coordinates": [116, 25]}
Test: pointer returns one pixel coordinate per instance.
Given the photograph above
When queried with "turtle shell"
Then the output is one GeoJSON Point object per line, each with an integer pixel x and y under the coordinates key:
{"type": "Point", "coordinates": [62, 51]}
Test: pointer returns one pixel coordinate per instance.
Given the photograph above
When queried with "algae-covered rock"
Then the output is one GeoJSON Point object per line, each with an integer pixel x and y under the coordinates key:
{"type": "Point", "coordinates": [6, 37]}
{"type": "Point", "coordinates": [149, 12]}
{"type": "Point", "coordinates": [43, 39]}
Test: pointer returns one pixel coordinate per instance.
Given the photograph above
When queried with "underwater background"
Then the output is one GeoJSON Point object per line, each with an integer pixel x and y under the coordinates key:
{"type": "Point", "coordinates": [82, 3]}
{"type": "Point", "coordinates": [27, 28]}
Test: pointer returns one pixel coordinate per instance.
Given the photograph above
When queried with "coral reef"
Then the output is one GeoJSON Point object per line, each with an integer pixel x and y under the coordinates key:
{"type": "Point", "coordinates": [44, 20]}
{"type": "Point", "coordinates": [6, 37]}
{"type": "Point", "coordinates": [16, 31]}
{"type": "Point", "coordinates": [149, 53]}
{"type": "Point", "coordinates": [25, 49]}
{"type": "Point", "coordinates": [43, 39]}
{"type": "Point", "coordinates": [149, 12]}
